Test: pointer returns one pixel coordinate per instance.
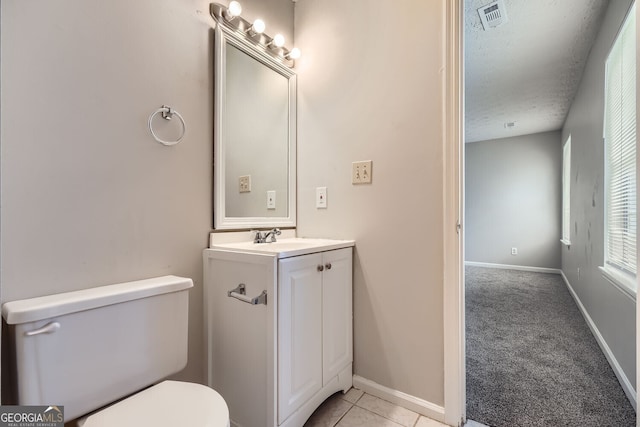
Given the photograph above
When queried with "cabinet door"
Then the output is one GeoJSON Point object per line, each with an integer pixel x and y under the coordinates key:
{"type": "Point", "coordinates": [337, 318]}
{"type": "Point", "coordinates": [299, 332]}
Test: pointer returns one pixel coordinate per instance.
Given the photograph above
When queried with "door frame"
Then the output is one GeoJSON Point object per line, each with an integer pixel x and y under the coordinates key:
{"type": "Point", "coordinates": [453, 197]}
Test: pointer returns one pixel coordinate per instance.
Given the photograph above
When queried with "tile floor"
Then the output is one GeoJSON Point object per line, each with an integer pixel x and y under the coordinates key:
{"type": "Point", "coordinates": [359, 409]}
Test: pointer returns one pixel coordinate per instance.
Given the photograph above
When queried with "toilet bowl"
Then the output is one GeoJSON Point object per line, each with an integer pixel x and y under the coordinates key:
{"type": "Point", "coordinates": [86, 349]}
{"type": "Point", "coordinates": [168, 404]}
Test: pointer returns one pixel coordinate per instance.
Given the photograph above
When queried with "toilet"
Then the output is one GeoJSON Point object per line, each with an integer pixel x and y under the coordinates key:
{"type": "Point", "coordinates": [87, 349]}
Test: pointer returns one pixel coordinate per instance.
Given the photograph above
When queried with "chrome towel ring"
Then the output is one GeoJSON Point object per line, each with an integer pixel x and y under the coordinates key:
{"type": "Point", "coordinates": [167, 114]}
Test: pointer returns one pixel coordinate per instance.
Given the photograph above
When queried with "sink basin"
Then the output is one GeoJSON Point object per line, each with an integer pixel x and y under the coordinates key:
{"type": "Point", "coordinates": [285, 248]}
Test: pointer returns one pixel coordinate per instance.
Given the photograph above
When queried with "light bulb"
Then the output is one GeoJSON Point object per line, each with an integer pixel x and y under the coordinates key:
{"type": "Point", "coordinates": [278, 40]}
{"type": "Point", "coordinates": [258, 26]}
{"type": "Point", "coordinates": [294, 53]}
{"type": "Point", "coordinates": [234, 9]}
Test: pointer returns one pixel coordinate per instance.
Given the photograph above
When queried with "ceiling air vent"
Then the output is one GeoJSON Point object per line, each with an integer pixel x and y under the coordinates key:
{"type": "Point", "coordinates": [493, 15]}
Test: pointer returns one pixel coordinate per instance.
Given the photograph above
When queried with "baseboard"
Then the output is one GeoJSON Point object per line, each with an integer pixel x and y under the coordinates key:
{"type": "Point", "coordinates": [514, 267]}
{"type": "Point", "coordinates": [617, 369]}
{"type": "Point", "coordinates": [412, 403]}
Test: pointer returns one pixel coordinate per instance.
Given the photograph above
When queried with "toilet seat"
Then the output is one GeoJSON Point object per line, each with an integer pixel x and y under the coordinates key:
{"type": "Point", "coordinates": [168, 404]}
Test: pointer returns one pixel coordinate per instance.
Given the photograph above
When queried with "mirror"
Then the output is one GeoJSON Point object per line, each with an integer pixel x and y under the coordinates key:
{"type": "Point", "coordinates": [254, 136]}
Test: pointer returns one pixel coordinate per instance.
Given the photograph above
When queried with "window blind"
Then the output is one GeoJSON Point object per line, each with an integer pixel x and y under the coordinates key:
{"type": "Point", "coordinates": [566, 191]}
{"type": "Point", "coordinates": [620, 149]}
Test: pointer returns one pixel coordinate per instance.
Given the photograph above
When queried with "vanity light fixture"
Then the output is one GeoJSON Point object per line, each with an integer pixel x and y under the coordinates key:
{"type": "Point", "coordinates": [277, 41]}
{"type": "Point", "coordinates": [293, 54]}
{"type": "Point", "coordinates": [229, 16]}
{"type": "Point", "coordinates": [234, 10]}
{"type": "Point", "coordinates": [256, 28]}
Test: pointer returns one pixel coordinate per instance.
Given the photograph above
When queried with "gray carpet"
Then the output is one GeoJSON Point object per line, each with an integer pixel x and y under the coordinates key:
{"type": "Point", "coordinates": [531, 358]}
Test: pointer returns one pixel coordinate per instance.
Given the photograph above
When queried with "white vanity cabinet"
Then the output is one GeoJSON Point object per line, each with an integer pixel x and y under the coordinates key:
{"type": "Point", "coordinates": [314, 325]}
{"type": "Point", "coordinates": [275, 363]}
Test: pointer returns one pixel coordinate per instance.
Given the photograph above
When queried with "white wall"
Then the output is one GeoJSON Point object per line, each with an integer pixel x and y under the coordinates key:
{"type": "Point", "coordinates": [612, 312]}
{"type": "Point", "coordinates": [88, 197]}
{"type": "Point", "coordinates": [370, 88]}
{"type": "Point", "coordinates": [513, 199]}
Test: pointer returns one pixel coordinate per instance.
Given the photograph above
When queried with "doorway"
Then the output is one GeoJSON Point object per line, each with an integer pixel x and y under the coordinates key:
{"type": "Point", "coordinates": [454, 277]}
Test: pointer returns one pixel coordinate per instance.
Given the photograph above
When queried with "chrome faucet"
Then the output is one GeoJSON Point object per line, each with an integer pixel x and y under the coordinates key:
{"type": "Point", "coordinates": [262, 238]}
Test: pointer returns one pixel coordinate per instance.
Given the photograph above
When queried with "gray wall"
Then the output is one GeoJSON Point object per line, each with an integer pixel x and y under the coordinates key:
{"type": "Point", "coordinates": [513, 198]}
{"type": "Point", "coordinates": [611, 310]}
{"type": "Point", "coordinates": [369, 89]}
{"type": "Point", "coordinates": [88, 197]}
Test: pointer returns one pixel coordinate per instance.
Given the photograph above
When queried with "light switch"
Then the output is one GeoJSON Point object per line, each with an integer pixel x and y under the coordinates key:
{"type": "Point", "coordinates": [271, 199]}
{"type": "Point", "coordinates": [244, 184]}
{"type": "Point", "coordinates": [321, 197]}
{"type": "Point", "coordinates": [361, 172]}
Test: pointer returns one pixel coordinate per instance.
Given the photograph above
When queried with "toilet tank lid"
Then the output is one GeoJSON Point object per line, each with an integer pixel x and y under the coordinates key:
{"type": "Point", "coordinates": [45, 307]}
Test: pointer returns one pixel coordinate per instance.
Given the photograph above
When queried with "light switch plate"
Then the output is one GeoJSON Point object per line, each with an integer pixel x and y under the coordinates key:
{"type": "Point", "coordinates": [271, 199]}
{"type": "Point", "coordinates": [244, 184]}
{"type": "Point", "coordinates": [361, 172]}
{"type": "Point", "coordinates": [321, 197]}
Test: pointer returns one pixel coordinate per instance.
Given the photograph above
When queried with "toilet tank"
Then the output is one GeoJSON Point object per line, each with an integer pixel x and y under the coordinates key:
{"type": "Point", "coordinates": [87, 348]}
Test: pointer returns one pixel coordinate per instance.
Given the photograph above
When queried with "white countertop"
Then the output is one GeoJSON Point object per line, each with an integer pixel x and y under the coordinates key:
{"type": "Point", "coordinates": [285, 248]}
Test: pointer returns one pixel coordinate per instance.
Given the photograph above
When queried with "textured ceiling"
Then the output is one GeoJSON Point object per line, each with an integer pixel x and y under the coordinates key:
{"type": "Point", "coordinates": [527, 70]}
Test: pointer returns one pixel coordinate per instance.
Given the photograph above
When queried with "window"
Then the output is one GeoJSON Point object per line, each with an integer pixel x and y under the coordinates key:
{"type": "Point", "coordinates": [620, 158]}
{"type": "Point", "coordinates": [566, 192]}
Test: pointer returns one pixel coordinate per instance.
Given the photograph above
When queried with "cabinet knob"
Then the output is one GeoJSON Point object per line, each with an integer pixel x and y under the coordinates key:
{"type": "Point", "coordinates": [328, 265]}
{"type": "Point", "coordinates": [320, 268]}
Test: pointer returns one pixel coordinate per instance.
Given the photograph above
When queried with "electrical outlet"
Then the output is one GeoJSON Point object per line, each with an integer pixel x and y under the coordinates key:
{"type": "Point", "coordinates": [271, 199]}
{"type": "Point", "coordinates": [514, 251]}
{"type": "Point", "coordinates": [244, 184]}
{"type": "Point", "coordinates": [321, 197]}
{"type": "Point", "coordinates": [361, 172]}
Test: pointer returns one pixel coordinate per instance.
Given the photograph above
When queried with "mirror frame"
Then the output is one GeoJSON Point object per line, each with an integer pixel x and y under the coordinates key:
{"type": "Point", "coordinates": [221, 221]}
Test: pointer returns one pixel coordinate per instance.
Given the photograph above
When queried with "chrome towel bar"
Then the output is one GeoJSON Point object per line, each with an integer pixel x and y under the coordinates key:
{"type": "Point", "coordinates": [240, 293]}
